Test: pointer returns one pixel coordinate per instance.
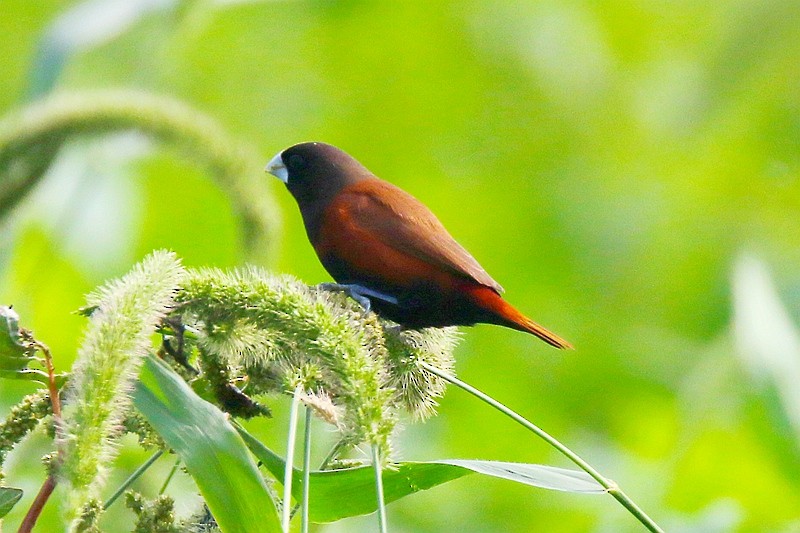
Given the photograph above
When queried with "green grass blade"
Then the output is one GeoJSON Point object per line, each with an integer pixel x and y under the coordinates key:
{"type": "Point", "coordinates": [542, 476]}
{"type": "Point", "coordinates": [8, 499]}
{"type": "Point", "coordinates": [337, 494]}
{"type": "Point", "coordinates": [209, 447]}
{"type": "Point", "coordinates": [611, 487]}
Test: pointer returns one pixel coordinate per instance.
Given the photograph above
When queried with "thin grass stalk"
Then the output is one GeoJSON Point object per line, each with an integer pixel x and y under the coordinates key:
{"type": "Point", "coordinates": [610, 486]}
{"type": "Point", "coordinates": [172, 471]}
{"type": "Point", "coordinates": [306, 472]}
{"type": "Point", "coordinates": [286, 514]}
{"type": "Point", "coordinates": [133, 477]}
{"type": "Point", "coordinates": [334, 454]}
{"type": "Point", "coordinates": [376, 464]}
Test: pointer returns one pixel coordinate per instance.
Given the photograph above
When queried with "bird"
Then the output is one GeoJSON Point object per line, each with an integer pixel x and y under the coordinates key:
{"type": "Point", "coordinates": [387, 250]}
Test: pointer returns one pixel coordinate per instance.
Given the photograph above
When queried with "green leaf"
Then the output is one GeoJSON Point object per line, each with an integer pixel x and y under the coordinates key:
{"type": "Point", "coordinates": [25, 373]}
{"type": "Point", "coordinates": [337, 494]}
{"type": "Point", "coordinates": [16, 353]}
{"type": "Point", "coordinates": [13, 354]}
{"type": "Point", "coordinates": [542, 476]}
{"type": "Point", "coordinates": [8, 499]}
{"type": "Point", "coordinates": [209, 447]}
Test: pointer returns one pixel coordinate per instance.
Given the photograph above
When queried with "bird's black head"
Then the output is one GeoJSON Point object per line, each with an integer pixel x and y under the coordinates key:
{"type": "Point", "coordinates": [316, 171]}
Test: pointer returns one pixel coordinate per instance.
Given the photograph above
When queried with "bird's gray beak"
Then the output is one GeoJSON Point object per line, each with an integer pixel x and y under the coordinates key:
{"type": "Point", "coordinates": [278, 169]}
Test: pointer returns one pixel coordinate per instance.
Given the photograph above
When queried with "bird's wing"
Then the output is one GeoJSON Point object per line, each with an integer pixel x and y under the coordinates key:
{"type": "Point", "coordinates": [400, 221]}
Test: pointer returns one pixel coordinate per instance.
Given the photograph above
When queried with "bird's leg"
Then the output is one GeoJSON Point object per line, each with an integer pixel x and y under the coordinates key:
{"type": "Point", "coordinates": [352, 291]}
{"type": "Point", "coordinates": [359, 293]}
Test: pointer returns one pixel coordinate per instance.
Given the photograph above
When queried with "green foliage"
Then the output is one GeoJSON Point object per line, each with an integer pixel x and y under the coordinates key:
{"type": "Point", "coordinates": [345, 364]}
{"type": "Point", "coordinates": [213, 453]}
{"type": "Point", "coordinates": [10, 344]}
{"type": "Point", "coordinates": [18, 349]}
{"type": "Point", "coordinates": [285, 334]}
{"type": "Point", "coordinates": [86, 521]}
{"type": "Point", "coordinates": [318, 327]}
{"type": "Point", "coordinates": [407, 350]}
{"type": "Point", "coordinates": [8, 499]}
{"type": "Point", "coordinates": [246, 325]}
{"type": "Point", "coordinates": [606, 162]}
{"type": "Point", "coordinates": [342, 493]}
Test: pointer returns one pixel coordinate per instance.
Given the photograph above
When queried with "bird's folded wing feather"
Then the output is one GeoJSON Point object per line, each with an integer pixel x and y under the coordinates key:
{"type": "Point", "coordinates": [402, 222]}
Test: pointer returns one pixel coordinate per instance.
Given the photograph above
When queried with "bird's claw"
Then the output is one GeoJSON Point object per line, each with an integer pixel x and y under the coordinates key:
{"type": "Point", "coordinates": [363, 301]}
{"type": "Point", "coordinates": [350, 290]}
{"type": "Point", "coordinates": [359, 293]}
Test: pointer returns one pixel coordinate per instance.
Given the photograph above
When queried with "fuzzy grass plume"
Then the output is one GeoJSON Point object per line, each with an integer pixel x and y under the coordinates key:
{"type": "Point", "coordinates": [357, 372]}
{"type": "Point", "coordinates": [306, 326]}
{"type": "Point", "coordinates": [127, 313]}
{"type": "Point", "coordinates": [273, 334]}
{"type": "Point", "coordinates": [416, 389]}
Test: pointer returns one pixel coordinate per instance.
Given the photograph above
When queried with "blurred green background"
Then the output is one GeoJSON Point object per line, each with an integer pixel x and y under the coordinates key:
{"type": "Point", "coordinates": [629, 171]}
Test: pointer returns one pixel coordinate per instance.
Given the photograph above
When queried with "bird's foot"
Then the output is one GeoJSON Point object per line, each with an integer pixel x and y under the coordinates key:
{"type": "Point", "coordinates": [359, 293]}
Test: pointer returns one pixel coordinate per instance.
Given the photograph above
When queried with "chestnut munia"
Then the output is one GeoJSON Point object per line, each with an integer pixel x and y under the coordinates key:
{"type": "Point", "coordinates": [389, 251]}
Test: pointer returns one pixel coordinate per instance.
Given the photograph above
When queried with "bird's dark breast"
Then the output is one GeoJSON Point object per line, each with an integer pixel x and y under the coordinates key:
{"type": "Point", "coordinates": [416, 310]}
{"type": "Point", "coordinates": [420, 304]}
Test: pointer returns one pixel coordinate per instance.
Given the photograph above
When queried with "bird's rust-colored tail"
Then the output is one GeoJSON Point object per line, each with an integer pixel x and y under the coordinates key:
{"type": "Point", "coordinates": [507, 315]}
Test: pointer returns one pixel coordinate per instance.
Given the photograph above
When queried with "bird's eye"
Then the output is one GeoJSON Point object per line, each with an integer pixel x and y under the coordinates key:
{"type": "Point", "coordinates": [296, 162]}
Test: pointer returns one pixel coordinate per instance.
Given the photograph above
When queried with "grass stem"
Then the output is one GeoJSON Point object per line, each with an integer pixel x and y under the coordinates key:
{"type": "Point", "coordinates": [169, 477]}
{"type": "Point", "coordinates": [133, 477]}
{"type": "Point", "coordinates": [286, 515]}
{"type": "Point", "coordinates": [376, 465]}
{"type": "Point", "coordinates": [306, 472]}
{"type": "Point", "coordinates": [334, 454]}
{"type": "Point", "coordinates": [610, 486]}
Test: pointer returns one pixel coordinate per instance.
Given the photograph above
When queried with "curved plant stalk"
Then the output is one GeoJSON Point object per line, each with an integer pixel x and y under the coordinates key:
{"type": "Point", "coordinates": [610, 486]}
{"type": "Point", "coordinates": [36, 507]}
{"type": "Point", "coordinates": [31, 139]}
